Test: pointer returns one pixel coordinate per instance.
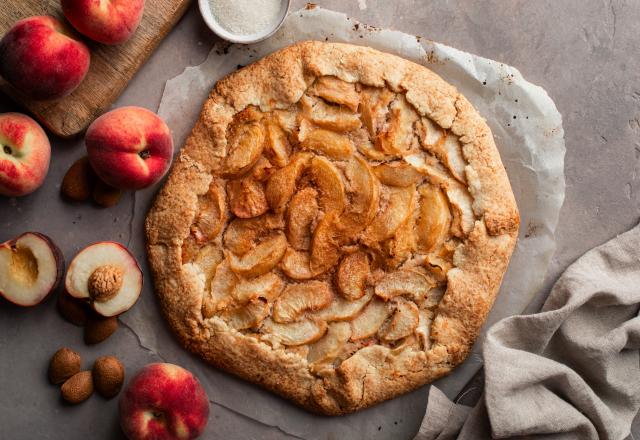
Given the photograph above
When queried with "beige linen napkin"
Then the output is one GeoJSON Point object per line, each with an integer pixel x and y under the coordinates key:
{"type": "Point", "coordinates": [571, 371]}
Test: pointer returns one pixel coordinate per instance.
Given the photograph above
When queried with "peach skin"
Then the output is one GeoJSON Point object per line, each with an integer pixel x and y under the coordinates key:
{"type": "Point", "coordinates": [129, 148]}
{"type": "Point", "coordinates": [24, 155]}
{"type": "Point", "coordinates": [105, 21]}
{"type": "Point", "coordinates": [41, 58]}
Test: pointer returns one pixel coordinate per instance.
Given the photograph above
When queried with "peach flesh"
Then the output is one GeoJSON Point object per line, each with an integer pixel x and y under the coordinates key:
{"type": "Point", "coordinates": [130, 148]}
{"type": "Point", "coordinates": [42, 59]}
{"type": "Point", "coordinates": [25, 153]}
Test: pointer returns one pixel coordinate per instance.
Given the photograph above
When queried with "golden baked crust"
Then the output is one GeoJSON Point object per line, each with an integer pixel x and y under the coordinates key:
{"type": "Point", "coordinates": [365, 177]}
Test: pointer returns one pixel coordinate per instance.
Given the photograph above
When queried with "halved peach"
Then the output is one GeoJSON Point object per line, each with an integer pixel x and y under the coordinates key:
{"type": "Point", "coordinates": [106, 275]}
{"type": "Point", "coordinates": [31, 267]}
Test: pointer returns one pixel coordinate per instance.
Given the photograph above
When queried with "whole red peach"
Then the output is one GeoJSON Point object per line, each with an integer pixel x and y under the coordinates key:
{"type": "Point", "coordinates": [41, 58]}
{"type": "Point", "coordinates": [130, 148]}
{"type": "Point", "coordinates": [105, 21]}
{"type": "Point", "coordinates": [163, 402]}
{"type": "Point", "coordinates": [24, 155]}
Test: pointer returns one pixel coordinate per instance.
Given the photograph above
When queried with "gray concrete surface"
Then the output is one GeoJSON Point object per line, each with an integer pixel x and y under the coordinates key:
{"type": "Point", "coordinates": [584, 52]}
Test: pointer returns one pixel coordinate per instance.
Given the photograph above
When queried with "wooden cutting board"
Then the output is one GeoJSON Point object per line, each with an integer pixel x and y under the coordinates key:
{"type": "Point", "coordinates": [112, 67]}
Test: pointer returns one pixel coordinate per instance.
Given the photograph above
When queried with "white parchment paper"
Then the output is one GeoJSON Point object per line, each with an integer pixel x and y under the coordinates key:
{"type": "Point", "coordinates": [528, 131]}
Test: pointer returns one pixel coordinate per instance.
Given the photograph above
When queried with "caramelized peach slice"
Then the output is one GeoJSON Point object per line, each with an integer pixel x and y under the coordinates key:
{"type": "Point", "coordinates": [219, 295]}
{"type": "Point", "coordinates": [434, 218]}
{"type": "Point", "coordinates": [398, 173]}
{"type": "Point", "coordinates": [303, 209]}
{"type": "Point", "coordinates": [331, 117]}
{"type": "Point", "coordinates": [430, 134]}
{"type": "Point", "coordinates": [211, 215]}
{"type": "Point", "coordinates": [403, 282]}
{"type": "Point", "coordinates": [403, 244]}
{"type": "Point", "coordinates": [364, 194]}
{"type": "Point", "coordinates": [207, 259]}
{"type": "Point", "coordinates": [328, 143]}
{"type": "Point", "coordinates": [367, 323]}
{"type": "Point", "coordinates": [360, 139]}
{"type": "Point", "coordinates": [247, 316]}
{"type": "Point", "coordinates": [277, 146]}
{"type": "Point", "coordinates": [337, 91]}
{"type": "Point", "coordinates": [325, 244]}
{"type": "Point", "coordinates": [375, 108]}
{"type": "Point", "coordinates": [282, 184]}
{"type": "Point", "coordinates": [242, 234]}
{"type": "Point", "coordinates": [262, 258]}
{"type": "Point", "coordinates": [342, 309]}
{"type": "Point", "coordinates": [299, 298]}
{"type": "Point", "coordinates": [245, 148]}
{"type": "Point", "coordinates": [396, 205]}
{"type": "Point", "coordinates": [462, 209]}
{"type": "Point", "coordinates": [402, 324]}
{"type": "Point", "coordinates": [330, 184]}
{"type": "Point", "coordinates": [423, 330]}
{"type": "Point", "coordinates": [295, 265]}
{"type": "Point", "coordinates": [267, 286]}
{"type": "Point", "coordinates": [352, 275]}
{"type": "Point", "coordinates": [330, 346]}
{"type": "Point", "coordinates": [398, 137]}
{"type": "Point", "coordinates": [246, 198]}
{"type": "Point", "coordinates": [295, 333]}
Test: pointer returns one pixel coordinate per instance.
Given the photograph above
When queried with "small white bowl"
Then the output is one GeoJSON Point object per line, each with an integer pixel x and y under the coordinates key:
{"type": "Point", "coordinates": [212, 23]}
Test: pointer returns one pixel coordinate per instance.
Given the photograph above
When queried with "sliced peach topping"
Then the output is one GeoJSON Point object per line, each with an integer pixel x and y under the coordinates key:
{"type": "Point", "coordinates": [329, 143]}
{"type": "Point", "coordinates": [247, 316]}
{"type": "Point", "coordinates": [330, 117]}
{"type": "Point", "coordinates": [278, 148]}
{"type": "Point", "coordinates": [267, 286]}
{"type": "Point", "coordinates": [434, 219]}
{"type": "Point", "coordinates": [246, 198]}
{"type": "Point", "coordinates": [398, 173]}
{"type": "Point", "coordinates": [262, 258]}
{"type": "Point", "coordinates": [302, 332]}
{"type": "Point", "coordinates": [245, 147]}
{"type": "Point", "coordinates": [342, 309]}
{"type": "Point", "coordinates": [403, 282]}
{"type": "Point", "coordinates": [337, 91]}
{"type": "Point", "coordinates": [352, 275]}
{"type": "Point", "coordinates": [295, 265]}
{"type": "Point", "coordinates": [282, 184]}
{"type": "Point", "coordinates": [367, 323]}
{"type": "Point", "coordinates": [302, 212]}
{"type": "Point", "coordinates": [403, 322]}
{"type": "Point", "coordinates": [299, 298]}
{"type": "Point", "coordinates": [330, 346]}
{"type": "Point", "coordinates": [396, 207]}
{"type": "Point", "coordinates": [219, 295]}
{"type": "Point", "coordinates": [325, 244]}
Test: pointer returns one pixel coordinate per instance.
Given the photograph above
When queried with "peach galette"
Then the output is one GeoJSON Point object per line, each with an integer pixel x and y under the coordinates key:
{"type": "Point", "coordinates": [335, 229]}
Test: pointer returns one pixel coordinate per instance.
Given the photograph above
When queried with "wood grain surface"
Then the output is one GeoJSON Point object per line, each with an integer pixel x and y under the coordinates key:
{"type": "Point", "coordinates": [112, 67]}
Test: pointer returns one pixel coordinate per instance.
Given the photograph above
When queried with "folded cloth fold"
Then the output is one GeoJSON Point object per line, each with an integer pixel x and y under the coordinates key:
{"type": "Point", "coordinates": [571, 371]}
